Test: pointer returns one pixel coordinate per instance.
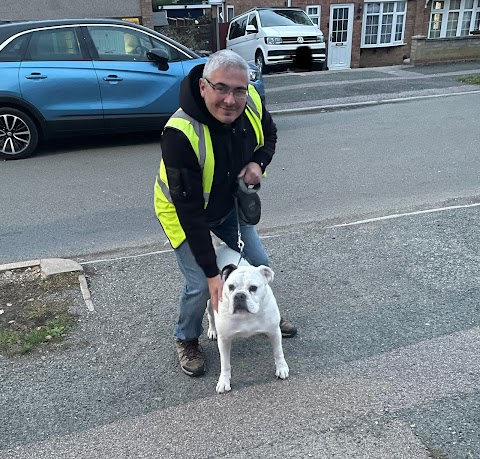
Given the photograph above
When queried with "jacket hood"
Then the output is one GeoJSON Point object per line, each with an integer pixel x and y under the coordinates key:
{"type": "Point", "coordinates": [192, 102]}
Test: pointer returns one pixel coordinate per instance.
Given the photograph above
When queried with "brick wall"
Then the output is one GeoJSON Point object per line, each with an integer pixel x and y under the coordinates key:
{"type": "Point", "coordinates": [426, 51]}
{"type": "Point", "coordinates": [244, 5]}
{"type": "Point", "coordinates": [147, 13]}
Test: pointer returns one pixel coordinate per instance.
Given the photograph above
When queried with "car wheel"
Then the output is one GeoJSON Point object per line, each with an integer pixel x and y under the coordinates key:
{"type": "Point", "coordinates": [18, 134]}
{"type": "Point", "coordinates": [260, 62]}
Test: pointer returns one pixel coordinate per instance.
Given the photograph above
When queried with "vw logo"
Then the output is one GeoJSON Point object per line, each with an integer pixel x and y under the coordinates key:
{"type": "Point", "coordinates": [300, 40]}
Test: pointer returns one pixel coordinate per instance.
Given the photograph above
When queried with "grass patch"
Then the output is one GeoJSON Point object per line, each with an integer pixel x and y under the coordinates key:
{"type": "Point", "coordinates": [34, 311]}
{"type": "Point", "coordinates": [470, 79]}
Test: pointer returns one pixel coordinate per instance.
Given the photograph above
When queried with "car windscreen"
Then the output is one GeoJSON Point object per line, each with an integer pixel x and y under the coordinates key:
{"type": "Point", "coordinates": [272, 18]}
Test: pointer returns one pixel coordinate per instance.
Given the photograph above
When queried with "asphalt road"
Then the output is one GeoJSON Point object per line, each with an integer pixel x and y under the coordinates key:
{"type": "Point", "coordinates": [386, 362]}
{"type": "Point", "coordinates": [385, 365]}
{"type": "Point", "coordinates": [82, 201]}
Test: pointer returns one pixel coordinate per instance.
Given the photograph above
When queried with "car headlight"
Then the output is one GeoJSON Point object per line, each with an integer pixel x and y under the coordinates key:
{"type": "Point", "coordinates": [320, 38]}
{"type": "Point", "coordinates": [273, 40]}
{"type": "Point", "coordinates": [254, 74]}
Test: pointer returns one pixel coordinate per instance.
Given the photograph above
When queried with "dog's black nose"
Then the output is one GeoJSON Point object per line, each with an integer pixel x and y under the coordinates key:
{"type": "Point", "coordinates": [240, 302]}
{"type": "Point", "coordinates": [240, 297]}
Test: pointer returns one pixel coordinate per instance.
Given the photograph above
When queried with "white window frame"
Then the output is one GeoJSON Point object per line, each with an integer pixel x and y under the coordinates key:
{"type": "Point", "coordinates": [221, 14]}
{"type": "Point", "coordinates": [397, 13]}
{"type": "Point", "coordinates": [314, 16]}
{"type": "Point", "coordinates": [441, 12]}
{"type": "Point", "coordinates": [230, 12]}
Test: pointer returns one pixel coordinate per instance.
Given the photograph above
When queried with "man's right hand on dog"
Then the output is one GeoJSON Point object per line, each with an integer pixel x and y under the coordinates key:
{"type": "Point", "coordinates": [215, 287]}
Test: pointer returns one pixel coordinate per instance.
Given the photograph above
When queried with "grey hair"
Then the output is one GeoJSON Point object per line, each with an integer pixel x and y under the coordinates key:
{"type": "Point", "coordinates": [223, 59]}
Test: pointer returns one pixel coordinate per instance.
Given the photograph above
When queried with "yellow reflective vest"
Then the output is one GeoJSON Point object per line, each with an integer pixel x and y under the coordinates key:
{"type": "Point", "coordinates": [199, 136]}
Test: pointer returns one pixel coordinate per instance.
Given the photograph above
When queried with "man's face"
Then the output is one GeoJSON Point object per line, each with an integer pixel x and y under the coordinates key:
{"type": "Point", "coordinates": [227, 101]}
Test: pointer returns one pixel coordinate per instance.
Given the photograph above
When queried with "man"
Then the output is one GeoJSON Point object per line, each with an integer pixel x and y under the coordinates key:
{"type": "Point", "coordinates": [221, 132]}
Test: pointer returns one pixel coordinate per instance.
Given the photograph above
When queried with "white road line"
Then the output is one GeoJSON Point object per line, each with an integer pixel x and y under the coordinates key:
{"type": "Point", "coordinates": [358, 222]}
{"type": "Point", "coordinates": [406, 214]}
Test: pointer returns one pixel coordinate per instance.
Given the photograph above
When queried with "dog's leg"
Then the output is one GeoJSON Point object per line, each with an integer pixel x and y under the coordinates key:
{"type": "Point", "coordinates": [224, 347]}
{"type": "Point", "coordinates": [212, 330]}
{"type": "Point", "coordinates": [281, 367]}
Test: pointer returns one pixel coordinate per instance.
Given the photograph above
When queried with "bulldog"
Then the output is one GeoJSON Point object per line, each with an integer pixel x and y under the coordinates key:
{"type": "Point", "coordinates": [248, 307]}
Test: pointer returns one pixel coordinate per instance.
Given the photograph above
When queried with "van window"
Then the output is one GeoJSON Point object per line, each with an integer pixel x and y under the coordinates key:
{"type": "Point", "coordinates": [238, 28]}
{"type": "Point", "coordinates": [272, 18]}
{"type": "Point", "coordinates": [252, 20]}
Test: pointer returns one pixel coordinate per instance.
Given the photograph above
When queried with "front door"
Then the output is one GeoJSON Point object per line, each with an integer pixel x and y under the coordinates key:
{"type": "Point", "coordinates": [340, 39]}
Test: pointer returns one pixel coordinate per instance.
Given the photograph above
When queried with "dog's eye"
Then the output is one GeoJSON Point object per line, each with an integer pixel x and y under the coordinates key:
{"type": "Point", "coordinates": [231, 287]}
{"type": "Point", "coordinates": [252, 289]}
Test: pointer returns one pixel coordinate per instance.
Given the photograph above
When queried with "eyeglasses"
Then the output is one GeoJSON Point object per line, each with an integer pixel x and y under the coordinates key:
{"type": "Point", "coordinates": [222, 90]}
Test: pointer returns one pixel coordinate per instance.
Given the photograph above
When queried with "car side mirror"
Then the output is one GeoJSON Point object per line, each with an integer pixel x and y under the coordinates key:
{"type": "Point", "coordinates": [159, 56]}
{"type": "Point", "coordinates": [251, 29]}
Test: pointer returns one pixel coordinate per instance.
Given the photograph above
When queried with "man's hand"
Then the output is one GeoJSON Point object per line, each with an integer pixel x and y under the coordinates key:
{"type": "Point", "coordinates": [215, 287]}
{"type": "Point", "coordinates": [251, 173]}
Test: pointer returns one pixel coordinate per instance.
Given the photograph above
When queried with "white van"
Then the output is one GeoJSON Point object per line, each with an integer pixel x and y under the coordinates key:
{"type": "Point", "coordinates": [269, 36]}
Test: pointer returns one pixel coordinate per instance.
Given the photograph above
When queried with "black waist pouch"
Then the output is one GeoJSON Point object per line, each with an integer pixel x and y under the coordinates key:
{"type": "Point", "coordinates": [249, 205]}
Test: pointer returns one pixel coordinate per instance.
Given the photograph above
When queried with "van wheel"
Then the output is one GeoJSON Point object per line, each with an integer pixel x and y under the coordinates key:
{"type": "Point", "coordinates": [260, 62]}
{"type": "Point", "coordinates": [18, 134]}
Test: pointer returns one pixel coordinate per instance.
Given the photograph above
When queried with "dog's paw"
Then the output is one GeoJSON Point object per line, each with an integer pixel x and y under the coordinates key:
{"type": "Point", "coordinates": [282, 371]}
{"type": "Point", "coordinates": [223, 385]}
{"type": "Point", "coordinates": [212, 333]}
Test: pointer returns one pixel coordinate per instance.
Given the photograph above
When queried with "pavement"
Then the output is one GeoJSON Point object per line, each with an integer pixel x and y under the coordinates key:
{"type": "Point", "coordinates": [289, 92]}
{"type": "Point", "coordinates": [386, 363]}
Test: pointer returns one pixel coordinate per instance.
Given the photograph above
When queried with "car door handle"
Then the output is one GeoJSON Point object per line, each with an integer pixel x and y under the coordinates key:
{"type": "Point", "coordinates": [112, 78]}
{"type": "Point", "coordinates": [35, 76]}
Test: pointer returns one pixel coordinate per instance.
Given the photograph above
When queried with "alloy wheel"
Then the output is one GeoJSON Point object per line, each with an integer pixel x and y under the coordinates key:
{"type": "Point", "coordinates": [15, 135]}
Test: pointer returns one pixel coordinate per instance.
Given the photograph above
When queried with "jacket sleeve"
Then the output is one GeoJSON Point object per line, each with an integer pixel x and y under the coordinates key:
{"type": "Point", "coordinates": [185, 184]}
{"type": "Point", "coordinates": [263, 156]}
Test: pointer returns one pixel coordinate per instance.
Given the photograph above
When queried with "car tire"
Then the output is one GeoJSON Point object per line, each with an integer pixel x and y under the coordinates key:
{"type": "Point", "coordinates": [18, 134]}
{"type": "Point", "coordinates": [260, 62]}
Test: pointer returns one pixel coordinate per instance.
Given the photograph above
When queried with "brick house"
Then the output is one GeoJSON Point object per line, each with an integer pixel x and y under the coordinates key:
{"type": "Point", "coordinates": [367, 34]}
{"type": "Point", "coordinates": [357, 33]}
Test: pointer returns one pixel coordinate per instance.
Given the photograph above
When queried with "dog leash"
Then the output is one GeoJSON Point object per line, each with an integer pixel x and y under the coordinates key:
{"type": "Point", "coordinates": [240, 243]}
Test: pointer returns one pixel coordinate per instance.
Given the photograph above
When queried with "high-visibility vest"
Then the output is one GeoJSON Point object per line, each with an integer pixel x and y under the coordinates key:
{"type": "Point", "coordinates": [199, 136]}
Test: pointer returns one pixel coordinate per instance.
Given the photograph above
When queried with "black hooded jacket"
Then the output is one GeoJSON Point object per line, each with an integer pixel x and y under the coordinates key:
{"type": "Point", "coordinates": [233, 147]}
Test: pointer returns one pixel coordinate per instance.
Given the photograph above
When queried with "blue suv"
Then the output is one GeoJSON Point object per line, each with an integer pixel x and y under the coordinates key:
{"type": "Point", "coordinates": [88, 76]}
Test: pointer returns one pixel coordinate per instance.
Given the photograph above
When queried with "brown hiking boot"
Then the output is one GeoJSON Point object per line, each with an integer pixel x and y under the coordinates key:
{"type": "Point", "coordinates": [190, 355]}
{"type": "Point", "coordinates": [288, 329]}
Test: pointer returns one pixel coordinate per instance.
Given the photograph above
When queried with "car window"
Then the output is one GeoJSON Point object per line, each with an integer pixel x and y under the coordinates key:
{"type": "Point", "coordinates": [54, 45]}
{"type": "Point", "coordinates": [238, 28]}
{"type": "Point", "coordinates": [13, 52]}
{"type": "Point", "coordinates": [124, 44]}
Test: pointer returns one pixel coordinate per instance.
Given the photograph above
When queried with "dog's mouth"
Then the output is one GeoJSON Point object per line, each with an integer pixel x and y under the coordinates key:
{"type": "Point", "coordinates": [240, 307]}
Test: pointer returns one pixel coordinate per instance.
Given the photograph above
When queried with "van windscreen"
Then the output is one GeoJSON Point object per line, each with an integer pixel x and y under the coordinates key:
{"type": "Point", "coordinates": [283, 17]}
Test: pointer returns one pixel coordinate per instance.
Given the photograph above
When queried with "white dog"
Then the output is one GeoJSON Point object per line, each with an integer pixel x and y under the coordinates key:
{"type": "Point", "coordinates": [248, 307]}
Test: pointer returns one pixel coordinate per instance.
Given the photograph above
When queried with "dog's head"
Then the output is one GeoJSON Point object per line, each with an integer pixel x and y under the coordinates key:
{"type": "Point", "coordinates": [245, 287]}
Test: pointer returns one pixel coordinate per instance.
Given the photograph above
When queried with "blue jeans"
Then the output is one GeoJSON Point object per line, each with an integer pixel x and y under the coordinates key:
{"type": "Point", "coordinates": [195, 295]}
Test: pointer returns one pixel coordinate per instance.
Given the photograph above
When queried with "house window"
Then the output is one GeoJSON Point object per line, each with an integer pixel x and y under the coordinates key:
{"type": "Point", "coordinates": [313, 13]}
{"type": "Point", "coordinates": [454, 18]}
{"type": "Point", "coordinates": [221, 15]}
{"type": "Point", "coordinates": [383, 24]}
{"type": "Point", "coordinates": [230, 12]}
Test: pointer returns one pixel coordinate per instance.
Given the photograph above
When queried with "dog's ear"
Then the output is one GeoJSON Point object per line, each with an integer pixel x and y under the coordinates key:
{"type": "Point", "coordinates": [227, 270]}
{"type": "Point", "coordinates": [266, 272]}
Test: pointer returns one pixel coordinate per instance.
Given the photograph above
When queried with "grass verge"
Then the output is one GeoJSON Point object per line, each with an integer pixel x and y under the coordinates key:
{"type": "Point", "coordinates": [34, 311]}
{"type": "Point", "coordinates": [471, 79]}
